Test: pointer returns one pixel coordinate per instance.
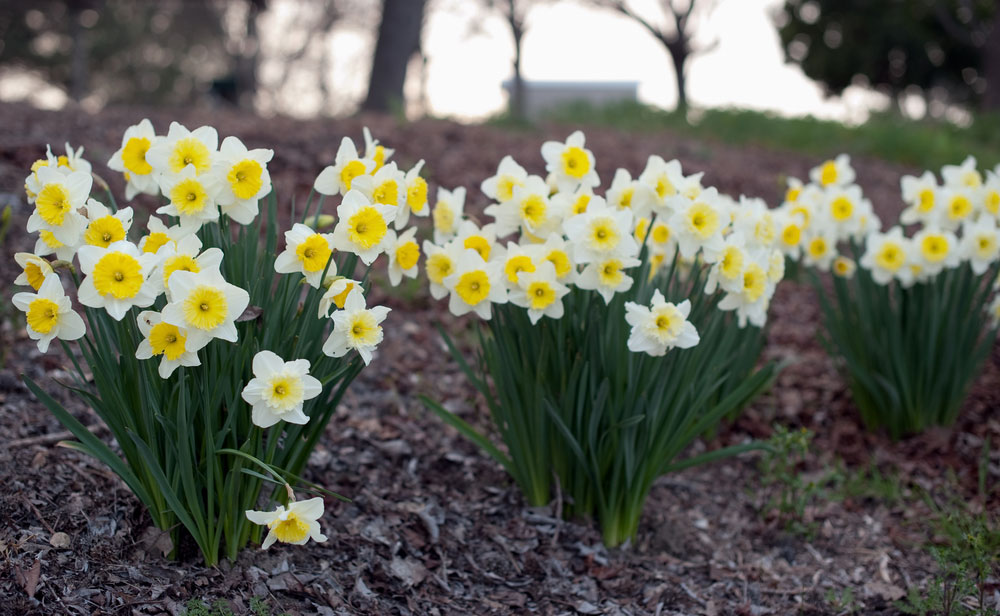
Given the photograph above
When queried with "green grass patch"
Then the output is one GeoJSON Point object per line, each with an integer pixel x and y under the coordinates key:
{"type": "Point", "coordinates": [928, 144]}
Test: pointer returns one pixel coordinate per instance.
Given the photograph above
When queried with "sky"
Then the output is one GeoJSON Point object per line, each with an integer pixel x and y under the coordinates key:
{"type": "Point", "coordinates": [567, 41]}
{"type": "Point", "coordinates": [469, 54]}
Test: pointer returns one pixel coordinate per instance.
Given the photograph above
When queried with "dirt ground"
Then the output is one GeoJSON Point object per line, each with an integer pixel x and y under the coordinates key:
{"type": "Point", "coordinates": [435, 526]}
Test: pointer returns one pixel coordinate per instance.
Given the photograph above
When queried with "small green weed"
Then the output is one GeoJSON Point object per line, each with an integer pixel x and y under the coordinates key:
{"type": "Point", "coordinates": [792, 490]}
{"type": "Point", "coordinates": [842, 601]}
{"type": "Point", "coordinates": [968, 560]}
{"type": "Point", "coordinates": [221, 607]}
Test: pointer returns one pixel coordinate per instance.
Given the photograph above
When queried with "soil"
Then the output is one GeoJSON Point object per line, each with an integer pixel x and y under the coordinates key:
{"type": "Point", "coordinates": [435, 526]}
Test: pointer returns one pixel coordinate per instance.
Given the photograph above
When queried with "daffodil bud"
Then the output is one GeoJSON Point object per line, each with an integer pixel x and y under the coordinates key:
{"type": "Point", "coordinates": [321, 221]}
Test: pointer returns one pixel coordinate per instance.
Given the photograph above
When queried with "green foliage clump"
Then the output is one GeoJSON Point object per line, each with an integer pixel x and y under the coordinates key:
{"type": "Point", "coordinates": [571, 402]}
{"type": "Point", "coordinates": [909, 354]}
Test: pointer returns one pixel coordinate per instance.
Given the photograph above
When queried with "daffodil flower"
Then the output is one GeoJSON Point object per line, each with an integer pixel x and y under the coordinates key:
{"type": "Point", "coordinates": [295, 524]}
{"type": "Point", "coordinates": [116, 278]}
{"type": "Point", "coordinates": [279, 389]}
{"type": "Point", "coordinates": [166, 340]}
{"type": "Point", "coordinates": [356, 327]}
{"type": "Point", "coordinates": [307, 253]}
{"type": "Point", "coordinates": [660, 327]}
{"type": "Point", "coordinates": [130, 159]}
{"type": "Point", "coordinates": [49, 313]}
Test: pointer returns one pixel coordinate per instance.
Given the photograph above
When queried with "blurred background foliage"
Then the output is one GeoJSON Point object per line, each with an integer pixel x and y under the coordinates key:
{"type": "Point", "coordinates": [941, 57]}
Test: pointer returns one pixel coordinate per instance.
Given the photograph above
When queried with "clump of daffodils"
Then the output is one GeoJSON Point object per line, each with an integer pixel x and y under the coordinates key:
{"type": "Point", "coordinates": [550, 234]}
{"type": "Point", "coordinates": [255, 333]}
{"type": "Point", "coordinates": [634, 313]}
{"type": "Point", "coordinates": [908, 310]}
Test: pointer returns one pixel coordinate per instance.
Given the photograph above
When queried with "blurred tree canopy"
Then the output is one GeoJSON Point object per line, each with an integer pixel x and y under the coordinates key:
{"type": "Point", "coordinates": [163, 52]}
{"type": "Point", "coordinates": [935, 45]}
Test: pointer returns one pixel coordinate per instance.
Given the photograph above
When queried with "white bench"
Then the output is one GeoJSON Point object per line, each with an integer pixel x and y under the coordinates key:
{"type": "Point", "coordinates": [541, 96]}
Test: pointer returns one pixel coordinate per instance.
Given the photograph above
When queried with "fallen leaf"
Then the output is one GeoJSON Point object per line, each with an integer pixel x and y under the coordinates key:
{"type": "Point", "coordinates": [409, 570]}
{"type": "Point", "coordinates": [888, 592]}
{"type": "Point", "coordinates": [29, 579]}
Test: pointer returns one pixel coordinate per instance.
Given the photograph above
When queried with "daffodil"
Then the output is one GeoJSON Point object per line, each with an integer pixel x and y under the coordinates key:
{"type": "Point", "coordinates": [836, 172]}
{"type": "Point", "coordinates": [958, 205]}
{"type": "Point", "coordinates": [990, 201]}
{"type": "Point", "coordinates": [279, 389]}
{"type": "Point", "coordinates": [475, 285]}
{"type": "Point", "coordinates": [49, 313]}
{"type": "Point", "coordinates": [481, 239]}
{"type": "Point", "coordinates": [58, 201]}
{"type": "Point", "coordinates": [183, 256]}
{"type": "Point", "coordinates": [130, 159]}
{"type": "Point", "coordinates": [570, 163]}
{"type": "Point", "coordinates": [793, 191]}
{"type": "Point", "coordinates": [362, 226]}
{"type": "Point", "coordinates": [295, 524]}
{"type": "Point", "coordinates": [566, 203]}
{"type": "Point", "coordinates": [356, 327]}
{"type": "Point", "coordinates": [447, 213]}
{"type": "Point", "coordinates": [500, 187]}
{"type": "Point", "coordinates": [663, 179]}
{"type": "Point", "coordinates": [727, 271]}
{"type": "Point", "coordinates": [375, 151]}
{"type": "Point", "coordinates": [348, 165]}
{"type": "Point", "coordinates": [307, 253]}
{"type": "Point", "coordinates": [47, 244]}
{"type": "Point", "coordinates": [518, 260]}
{"type": "Point", "coordinates": [416, 196]}
{"type": "Point", "coordinates": [116, 278]}
{"type": "Point", "coordinates": [205, 306]}
{"type": "Point", "coordinates": [887, 256]}
{"type": "Point", "coordinates": [34, 269]}
{"type": "Point", "coordinates": [387, 186]}
{"type": "Point", "coordinates": [32, 185]}
{"type": "Point", "coordinates": [962, 176]}
{"type": "Point", "coordinates": [74, 160]}
{"type": "Point", "coordinates": [994, 311]}
{"type": "Point", "coordinates": [789, 228]}
{"type": "Point", "coordinates": [404, 253]}
{"type": "Point", "coordinates": [528, 208]}
{"type": "Point", "coordinates": [181, 148]}
{"type": "Point", "coordinates": [625, 192]}
{"type": "Point", "coordinates": [337, 290]}
{"type": "Point", "coordinates": [166, 340]}
{"type": "Point", "coordinates": [921, 197]}
{"type": "Point", "coordinates": [756, 222]}
{"type": "Point", "coordinates": [660, 327]}
{"type": "Point", "coordinates": [607, 276]}
{"type": "Point", "coordinates": [601, 233]}
{"type": "Point", "coordinates": [159, 235]}
{"type": "Point", "coordinates": [935, 250]}
{"type": "Point", "coordinates": [699, 225]}
{"type": "Point", "coordinates": [539, 292]}
{"type": "Point", "coordinates": [980, 244]}
{"type": "Point", "coordinates": [844, 267]}
{"type": "Point", "coordinates": [751, 297]}
{"type": "Point", "coordinates": [239, 179]}
{"type": "Point", "coordinates": [557, 251]}
{"type": "Point", "coordinates": [439, 263]}
{"type": "Point", "coordinates": [191, 199]}
{"type": "Point", "coordinates": [103, 227]}
{"type": "Point", "coordinates": [819, 247]}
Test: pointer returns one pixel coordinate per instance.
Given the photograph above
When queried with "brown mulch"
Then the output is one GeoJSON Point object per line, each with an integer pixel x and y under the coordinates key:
{"type": "Point", "coordinates": [435, 527]}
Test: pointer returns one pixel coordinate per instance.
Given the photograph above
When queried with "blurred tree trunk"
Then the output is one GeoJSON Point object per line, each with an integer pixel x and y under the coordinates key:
{"type": "Point", "coordinates": [248, 62]}
{"type": "Point", "coordinates": [79, 72]}
{"type": "Point", "coordinates": [677, 39]}
{"type": "Point", "coordinates": [991, 65]}
{"type": "Point", "coordinates": [516, 22]}
{"type": "Point", "coordinates": [398, 40]}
